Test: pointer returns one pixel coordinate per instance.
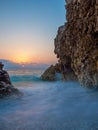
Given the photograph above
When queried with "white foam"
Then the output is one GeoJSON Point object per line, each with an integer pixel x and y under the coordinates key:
{"type": "Point", "coordinates": [50, 106]}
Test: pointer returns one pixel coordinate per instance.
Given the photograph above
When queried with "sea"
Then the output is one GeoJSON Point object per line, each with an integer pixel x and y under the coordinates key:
{"type": "Point", "coordinates": [45, 105]}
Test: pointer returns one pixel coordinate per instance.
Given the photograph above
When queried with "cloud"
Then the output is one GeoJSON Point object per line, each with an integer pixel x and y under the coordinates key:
{"type": "Point", "coordinates": [11, 65]}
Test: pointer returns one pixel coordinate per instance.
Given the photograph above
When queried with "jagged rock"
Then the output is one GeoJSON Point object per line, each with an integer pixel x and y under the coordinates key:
{"type": "Point", "coordinates": [76, 44]}
{"type": "Point", "coordinates": [49, 74]}
{"type": "Point", "coordinates": [53, 73]}
{"type": "Point", "coordinates": [7, 89]}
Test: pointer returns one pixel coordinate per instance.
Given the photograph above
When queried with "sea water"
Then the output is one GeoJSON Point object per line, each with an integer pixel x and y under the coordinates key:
{"type": "Point", "coordinates": [48, 105]}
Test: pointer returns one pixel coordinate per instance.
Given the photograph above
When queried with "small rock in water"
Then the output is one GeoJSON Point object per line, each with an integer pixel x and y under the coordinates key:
{"type": "Point", "coordinates": [6, 87]}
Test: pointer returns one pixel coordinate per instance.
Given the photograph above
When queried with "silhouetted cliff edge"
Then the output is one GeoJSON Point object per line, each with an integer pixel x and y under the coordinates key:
{"type": "Point", "coordinates": [76, 43]}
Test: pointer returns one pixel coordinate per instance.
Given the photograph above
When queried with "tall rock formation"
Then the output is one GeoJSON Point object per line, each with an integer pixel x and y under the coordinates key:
{"type": "Point", "coordinates": [76, 44]}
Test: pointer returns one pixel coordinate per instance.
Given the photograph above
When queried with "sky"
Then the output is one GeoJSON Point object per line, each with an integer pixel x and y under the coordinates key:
{"type": "Point", "coordinates": [28, 29]}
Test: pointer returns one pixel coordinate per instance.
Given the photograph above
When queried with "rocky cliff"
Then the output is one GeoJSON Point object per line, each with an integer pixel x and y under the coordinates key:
{"type": "Point", "coordinates": [76, 43]}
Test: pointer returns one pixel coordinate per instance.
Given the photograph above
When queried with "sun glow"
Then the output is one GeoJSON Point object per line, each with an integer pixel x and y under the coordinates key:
{"type": "Point", "coordinates": [22, 59]}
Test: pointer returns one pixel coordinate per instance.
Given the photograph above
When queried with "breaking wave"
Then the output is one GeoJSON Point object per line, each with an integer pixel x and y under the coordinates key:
{"type": "Point", "coordinates": [25, 78]}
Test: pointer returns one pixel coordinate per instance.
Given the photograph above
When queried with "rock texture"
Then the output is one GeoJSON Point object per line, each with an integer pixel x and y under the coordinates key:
{"type": "Point", "coordinates": [6, 89]}
{"type": "Point", "coordinates": [50, 73]}
{"type": "Point", "coordinates": [76, 44]}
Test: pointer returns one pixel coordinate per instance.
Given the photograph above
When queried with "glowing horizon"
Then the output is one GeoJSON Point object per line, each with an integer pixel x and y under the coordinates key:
{"type": "Point", "coordinates": [28, 29]}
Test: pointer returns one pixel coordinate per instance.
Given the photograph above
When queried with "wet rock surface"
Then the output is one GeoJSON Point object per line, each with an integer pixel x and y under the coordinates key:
{"type": "Point", "coordinates": [7, 90]}
{"type": "Point", "coordinates": [50, 73]}
{"type": "Point", "coordinates": [6, 87]}
{"type": "Point", "coordinates": [76, 43]}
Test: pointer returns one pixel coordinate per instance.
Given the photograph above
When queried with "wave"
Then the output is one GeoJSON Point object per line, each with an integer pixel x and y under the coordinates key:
{"type": "Point", "coordinates": [25, 78]}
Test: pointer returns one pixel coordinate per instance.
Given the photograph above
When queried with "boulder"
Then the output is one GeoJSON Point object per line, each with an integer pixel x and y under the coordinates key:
{"type": "Point", "coordinates": [49, 74]}
{"type": "Point", "coordinates": [7, 89]}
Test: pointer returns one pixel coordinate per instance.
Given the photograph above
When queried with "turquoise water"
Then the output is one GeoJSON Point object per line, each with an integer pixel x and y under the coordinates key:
{"type": "Point", "coordinates": [48, 105]}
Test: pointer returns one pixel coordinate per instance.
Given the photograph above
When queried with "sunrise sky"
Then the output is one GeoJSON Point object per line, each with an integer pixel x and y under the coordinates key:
{"type": "Point", "coordinates": [28, 29]}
